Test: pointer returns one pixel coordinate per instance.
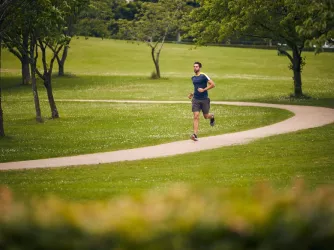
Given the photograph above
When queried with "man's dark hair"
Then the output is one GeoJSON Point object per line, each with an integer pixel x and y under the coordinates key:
{"type": "Point", "coordinates": [199, 64]}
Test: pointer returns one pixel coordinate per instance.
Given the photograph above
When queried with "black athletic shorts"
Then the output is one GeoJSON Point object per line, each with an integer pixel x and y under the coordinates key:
{"type": "Point", "coordinates": [198, 105]}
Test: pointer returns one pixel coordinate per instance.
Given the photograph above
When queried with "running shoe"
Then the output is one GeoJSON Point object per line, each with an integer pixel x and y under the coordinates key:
{"type": "Point", "coordinates": [212, 121]}
{"type": "Point", "coordinates": [194, 137]}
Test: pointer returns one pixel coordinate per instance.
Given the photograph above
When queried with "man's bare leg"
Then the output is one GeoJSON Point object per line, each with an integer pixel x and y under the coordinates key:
{"type": "Point", "coordinates": [211, 117]}
{"type": "Point", "coordinates": [208, 116]}
{"type": "Point", "coordinates": [196, 122]}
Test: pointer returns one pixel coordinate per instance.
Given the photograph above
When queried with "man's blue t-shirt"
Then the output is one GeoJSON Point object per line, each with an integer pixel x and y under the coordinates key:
{"type": "Point", "coordinates": [200, 81]}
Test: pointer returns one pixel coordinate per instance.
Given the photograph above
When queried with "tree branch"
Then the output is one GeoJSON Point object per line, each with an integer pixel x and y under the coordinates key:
{"type": "Point", "coordinates": [5, 10]}
{"type": "Point", "coordinates": [39, 74]}
{"type": "Point", "coordinates": [36, 69]}
{"type": "Point", "coordinates": [285, 53]}
{"type": "Point", "coordinates": [167, 29]}
{"type": "Point", "coordinates": [255, 36]}
{"type": "Point", "coordinates": [36, 51]}
{"type": "Point", "coordinates": [10, 43]}
{"type": "Point", "coordinates": [16, 53]}
{"type": "Point", "coordinates": [272, 31]}
{"type": "Point", "coordinates": [43, 55]}
{"type": "Point", "coordinates": [55, 55]}
{"type": "Point", "coordinates": [50, 47]}
{"type": "Point", "coordinates": [152, 53]}
{"type": "Point", "coordinates": [63, 57]}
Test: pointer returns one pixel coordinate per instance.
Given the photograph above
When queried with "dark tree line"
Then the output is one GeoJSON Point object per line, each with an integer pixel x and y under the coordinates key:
{"type": "Point", "coordinates": [103, 17]}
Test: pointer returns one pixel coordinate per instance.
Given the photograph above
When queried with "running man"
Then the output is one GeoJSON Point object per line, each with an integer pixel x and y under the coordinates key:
{"type": "Point", "coordinates": [200, 100]}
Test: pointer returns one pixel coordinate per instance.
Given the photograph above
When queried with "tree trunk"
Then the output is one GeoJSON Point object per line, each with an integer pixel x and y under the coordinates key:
{"type": "Point", "coordinates": [61, 62]}
{"type": "Point", "coordinates": [61, 68]}
{"type": "Point", "coordinates": [25, 60]}
{"type": "Point", "coordinates": [48, 86]}
{"type": "Point", "coordinates": [157, 68]}
{"type": "Point", "coordinates": [2, 130]}
{"type": "Point", "coordinates": [296, 67]}
{"type": "Point", "coordinates": [33, 59]}
{"type": "Point", "coordinates": [36, 98]}
{"type": "Point", "coordinates": [25, 70]}
{"type": "Point", "coordinates": [47, 75]}
{"type": "Point", "coordinates": [178, 37]}
{"type": "Point", "coordinates": [156, 62]}
{"type": "Point", "coordinates": [35, 93]}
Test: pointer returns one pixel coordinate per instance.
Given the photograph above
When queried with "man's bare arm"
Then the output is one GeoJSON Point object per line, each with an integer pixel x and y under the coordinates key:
{"type": "Point", "coordinates": [211, 85]}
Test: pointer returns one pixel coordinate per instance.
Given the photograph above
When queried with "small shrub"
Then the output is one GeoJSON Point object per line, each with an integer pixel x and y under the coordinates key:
{"type": "Point", "coordinates": [179, 218]}
{"type": "Point", "coordinates": [154, 75]}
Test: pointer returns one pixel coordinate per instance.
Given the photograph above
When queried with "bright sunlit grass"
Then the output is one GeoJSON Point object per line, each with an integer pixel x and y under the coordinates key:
{"type": "Point", "coordinates": [278, 160]}
{"type": "Point", "coordinates": [100, 127]}
{"type": "Point", "coordinates": [110, 69]}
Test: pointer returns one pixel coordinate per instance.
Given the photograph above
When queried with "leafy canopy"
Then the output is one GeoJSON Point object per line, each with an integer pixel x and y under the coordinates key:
{"type": "Point", "coordinates": [298, 23]}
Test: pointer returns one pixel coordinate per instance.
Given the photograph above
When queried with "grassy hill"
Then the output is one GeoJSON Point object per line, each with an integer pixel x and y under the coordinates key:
{"type": "Point", "coordinates": [110, 69]}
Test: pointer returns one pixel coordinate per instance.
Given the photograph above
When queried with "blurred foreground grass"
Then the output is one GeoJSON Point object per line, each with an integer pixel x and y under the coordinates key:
{"type": "Point", "coordinates": [180, 217]}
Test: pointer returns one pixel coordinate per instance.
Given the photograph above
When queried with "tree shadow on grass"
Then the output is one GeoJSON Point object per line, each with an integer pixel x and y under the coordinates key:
{"type": "Point", "coordinates": [12, 82]}
{"type": "Point", "coordinates": [308, 100]}
{"type": "Point", "coordinates": [15, 82]}
{"type": "Point", "coordinates": [66, 75]}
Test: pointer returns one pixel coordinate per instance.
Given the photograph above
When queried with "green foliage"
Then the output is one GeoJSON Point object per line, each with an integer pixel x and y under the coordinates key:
{"type": "Point", "coordinates": [8, 11]}
{"type": "Point", "coordinates": [319, 24]}
{"type": "Point", "coordinates": [44, 19]}
{"type": "Point", "coordinates": [92, 27]}
{"type": "Point", "coordinates": [153, 22]}
{"type": "Point", "coordinates": [100, 18]}
{"type": "Point", "coordinates": [283, 20]}
{"type": "Point", "coordinates": [288, 21]}
{"type": "Point", "coordinates": [77, 6]}
{"type": "Point", "coordinates": [112, 14]}
{"type": "Point", "coordinates": [93, 21]}
{"type": "Point", "coordinates": [39, 20]}
{"type": "Point", "coordinates": [16, 35]}
{"type": "Point", "coordinates": [177, 218]}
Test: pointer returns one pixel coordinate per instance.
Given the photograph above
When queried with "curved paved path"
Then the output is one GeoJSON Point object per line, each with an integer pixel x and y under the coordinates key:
{"type": "Point", "coordinates": [305, 117]}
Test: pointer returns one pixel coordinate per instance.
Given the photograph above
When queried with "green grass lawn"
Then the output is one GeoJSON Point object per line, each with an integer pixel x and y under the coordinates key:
{"type": "Point", "coordinates": [143, 88]}
{"type": "Point", "coordinates": [109, 69]}
{"type": "Point", "coordinates": [277, 160]}
{"type": "Point", "coordinates": [112, 69]}
{"type": "Point", "coordinates": [114, 57]}
{"type": "Point", "coordinates": [100, 127]}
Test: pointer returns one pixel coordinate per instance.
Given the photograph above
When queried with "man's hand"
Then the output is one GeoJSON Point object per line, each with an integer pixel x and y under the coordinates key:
{"type": "Point", "coordinates": [190, 95]}
{"type": "Point", "coordinates": [201, 90]}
